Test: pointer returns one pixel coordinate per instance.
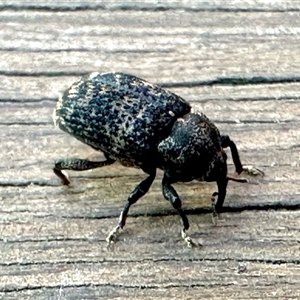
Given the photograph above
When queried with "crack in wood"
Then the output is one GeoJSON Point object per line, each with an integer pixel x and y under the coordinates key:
{"type": "Point", "coordinates": [143, 7]}
{"type": "Point", "coordinates": [171, 259]}
{"type": "Point", "coordinates": [276, 206]}
{"type": "Point", "coordinates": [255, 80]}
{"type": "Point", "coordinates": [27, 100]}
{"type": "Point", "coordinates": [126, 286]}
{"type": "Point", "coordinates": [250, 98]}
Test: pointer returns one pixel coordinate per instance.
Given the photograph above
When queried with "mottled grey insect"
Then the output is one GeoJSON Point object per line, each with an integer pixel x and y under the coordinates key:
{"type": "Point", "coordinates": [142, 125]}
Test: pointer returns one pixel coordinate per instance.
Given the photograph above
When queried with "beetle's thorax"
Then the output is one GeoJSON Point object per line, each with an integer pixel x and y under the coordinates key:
{"type": "Point", "coordinates": [193, 150]}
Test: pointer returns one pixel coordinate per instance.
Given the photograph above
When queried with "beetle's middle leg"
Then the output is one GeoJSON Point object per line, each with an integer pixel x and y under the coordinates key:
{"type": "Point", "coordinates": [171, 195]}
{"type": "Point", "coordinates": [140, 190]}
{"type": "Point", "coordinates": [77, 164]}
{"type": "Point", "coordinates": [218, 199]}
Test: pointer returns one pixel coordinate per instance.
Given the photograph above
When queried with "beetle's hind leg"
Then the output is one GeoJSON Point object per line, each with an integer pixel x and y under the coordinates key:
{"type": "Point", "coordinates": [77, 164]}
{"type": "Point", "coordinates": [140, 190]}
{"type": "Point", "coordinates": [171, 195]}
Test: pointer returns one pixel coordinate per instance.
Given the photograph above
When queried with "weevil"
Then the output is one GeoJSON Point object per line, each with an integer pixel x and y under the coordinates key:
{"type": "Point", "coordinates": [142, 125]}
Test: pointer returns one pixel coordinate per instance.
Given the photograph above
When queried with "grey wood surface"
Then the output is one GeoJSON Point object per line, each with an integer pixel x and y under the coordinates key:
{"type": "Point", "coordinates": [236, 61]}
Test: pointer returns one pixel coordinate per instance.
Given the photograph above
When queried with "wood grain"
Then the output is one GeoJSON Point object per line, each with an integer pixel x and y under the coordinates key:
{"type": "Point", "coordinates": [234, 5]}
{"type": "Point", "coordinates": [236, 61]}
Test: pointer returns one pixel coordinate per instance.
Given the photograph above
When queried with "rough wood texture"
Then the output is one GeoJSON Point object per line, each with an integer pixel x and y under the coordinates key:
{"type": "Point", "coordinates": [238, 62]}
{"type": "Point", "coordinates": [234, 5]}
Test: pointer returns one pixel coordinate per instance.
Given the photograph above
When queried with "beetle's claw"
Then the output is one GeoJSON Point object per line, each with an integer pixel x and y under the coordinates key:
{"type": "Point", "coordinates": [252, 171]}
{"type": "Point", "coordinates": [188, 240]}
{"type": "Point", "coordinates": [113, 235]}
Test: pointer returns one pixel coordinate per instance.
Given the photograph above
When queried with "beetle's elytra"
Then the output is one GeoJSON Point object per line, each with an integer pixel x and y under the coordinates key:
{"type": "Point", "coordinates": [142, 125]}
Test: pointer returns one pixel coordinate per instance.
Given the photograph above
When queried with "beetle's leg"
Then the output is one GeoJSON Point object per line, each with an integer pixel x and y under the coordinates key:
{"type": "Point", "coordinates": [140, 190]}
{"type": "Point", "coordinates": [239, 168]}
{"type": "Point", "coordinates": [77, 164]}
{"type": "Point", "coordinates": [218, 199]}
{"type": "Point", "coordinates": [214, 199]}
{"type": "Point", "coordinates": [227, 142]}
{"type": "Point", "coordinates": [171, 195]}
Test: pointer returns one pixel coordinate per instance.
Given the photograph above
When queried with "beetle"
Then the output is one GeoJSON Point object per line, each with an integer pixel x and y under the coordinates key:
{"type": "Point", "coordinates": [142, 125]}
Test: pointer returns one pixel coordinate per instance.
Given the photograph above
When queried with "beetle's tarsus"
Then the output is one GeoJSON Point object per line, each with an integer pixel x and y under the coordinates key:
{"type": "Point", "coordinates": [215, 218]}
{"type": "Point", "coordinates": [190, 243]}
{"type": "Point", "coordinates": [113, 235]}
{"type": "Point", "coordinates": [252, 171]}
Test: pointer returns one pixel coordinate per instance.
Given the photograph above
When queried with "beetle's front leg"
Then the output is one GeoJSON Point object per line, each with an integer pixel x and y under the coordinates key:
{"type": "Point", "coordinates": [239, 168]}
{"type": "Point", "coordinates": [140, 190]}
{"type": "Point", "coordinates": [171, 195]}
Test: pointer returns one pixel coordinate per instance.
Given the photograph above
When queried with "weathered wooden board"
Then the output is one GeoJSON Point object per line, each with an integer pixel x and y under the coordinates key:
{"type": "Point", "coordinates": [271, 230]}
{"type": "Point", "coordinates": [237, 61]}
{"type": "Point", "coordinates": [111, 291]}
{"type": "Point", "coordinates": [211, 44]}
{"type": "Point", "coordinates": [68, 253]}
{"type": "Point", "coordinates": [255, 5]}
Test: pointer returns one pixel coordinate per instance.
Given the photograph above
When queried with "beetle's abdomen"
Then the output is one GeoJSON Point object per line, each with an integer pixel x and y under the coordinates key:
{"type": "Point", "coordinates": [119, 114]}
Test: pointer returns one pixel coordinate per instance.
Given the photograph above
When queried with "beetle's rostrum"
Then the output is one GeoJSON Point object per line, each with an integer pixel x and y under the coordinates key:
{"type": "Point", "coordinates": [142, 125]}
